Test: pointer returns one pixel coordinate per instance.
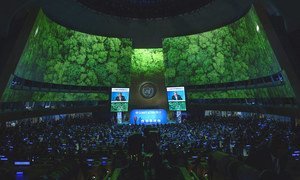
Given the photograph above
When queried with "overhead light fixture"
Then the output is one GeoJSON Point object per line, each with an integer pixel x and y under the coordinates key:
{"type": "Point", "coordinates": [257, 28]}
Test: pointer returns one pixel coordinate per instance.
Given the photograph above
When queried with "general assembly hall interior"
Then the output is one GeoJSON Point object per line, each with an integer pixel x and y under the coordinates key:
{"type": "Point", "coordinates": [150, 89]}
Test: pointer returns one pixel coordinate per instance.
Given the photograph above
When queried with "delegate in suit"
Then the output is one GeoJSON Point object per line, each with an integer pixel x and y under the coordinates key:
{"type": "Point", "coordinates": [176, 96]}
{"type": "Point", "coordinates": [120, 97]}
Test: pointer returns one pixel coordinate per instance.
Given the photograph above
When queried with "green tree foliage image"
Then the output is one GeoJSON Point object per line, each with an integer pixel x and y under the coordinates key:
{"type": "Point", "coordinates": [119, 106]}
{"type": "Point", "coordinates": [147, 62]}
{"type": "Point", "coordinates": [59, 55]}
{"type": "Point", "coordinates": [235, 52]}
{"type": "Point", "coordinates": [177, 105]}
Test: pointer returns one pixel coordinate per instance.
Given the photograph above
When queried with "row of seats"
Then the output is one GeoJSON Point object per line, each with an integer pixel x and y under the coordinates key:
{"type": "Point", "coordinates": [30, 106]}
{"type": "Point", "coordinates": [249, 101]}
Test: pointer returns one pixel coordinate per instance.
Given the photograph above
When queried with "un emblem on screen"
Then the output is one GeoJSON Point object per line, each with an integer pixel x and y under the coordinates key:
{"type": "Point", "coordinates": [148, 90]}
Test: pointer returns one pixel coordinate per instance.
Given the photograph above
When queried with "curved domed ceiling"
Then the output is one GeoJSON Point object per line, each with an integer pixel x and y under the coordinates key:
{"type": "Point", "coordinates": [144, 8]}
{"type": "Point", "coordinates": [145, 32]}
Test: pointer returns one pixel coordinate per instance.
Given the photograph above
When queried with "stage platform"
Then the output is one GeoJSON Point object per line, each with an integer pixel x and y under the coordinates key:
{"type": "Point", "coordinates": [167, 122]}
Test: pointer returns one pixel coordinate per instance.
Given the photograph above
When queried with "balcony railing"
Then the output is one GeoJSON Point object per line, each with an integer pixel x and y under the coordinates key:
{"type": "Point", "coordinates": [31, 106]}
{"type": "Point", "coordinates": [19, 83]}
{"type": "Point", "coordinates": [273, 80]}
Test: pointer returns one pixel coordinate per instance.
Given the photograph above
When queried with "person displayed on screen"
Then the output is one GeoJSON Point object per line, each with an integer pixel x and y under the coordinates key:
{"type": "Point", "coordinates": [176, 96]}
{"type": "Point", "coordinates": [120, 97]}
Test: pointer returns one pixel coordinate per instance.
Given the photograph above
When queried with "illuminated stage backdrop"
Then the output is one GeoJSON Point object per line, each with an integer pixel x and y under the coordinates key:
{"type": "Point", "coordinates": [148, 116]}
{"type": "Point", "coordinates": [147, 89]}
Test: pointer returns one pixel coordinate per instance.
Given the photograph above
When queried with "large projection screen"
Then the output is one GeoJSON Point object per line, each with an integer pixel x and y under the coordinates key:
{"type": "Point", "coordinates": [119, 99]}
{"type": "Point", "coordinates": [176, 98]}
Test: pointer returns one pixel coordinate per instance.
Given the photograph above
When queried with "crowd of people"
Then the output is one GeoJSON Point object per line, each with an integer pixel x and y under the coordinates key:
{"type": "Point", "coordinates": [84, 135]}
{"type": "Point", "coordinates": [81, 137]}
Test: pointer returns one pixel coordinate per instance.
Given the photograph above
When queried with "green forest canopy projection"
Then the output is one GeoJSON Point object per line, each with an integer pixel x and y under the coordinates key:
{"type": "Point", "coordinates": [147, 62]}
{"type": "Point", "coordinates": [55, 54]}
{"type": "Point", "coordinates": [59, 55]}
{"type": "Point", "coordinates": [235, 52]}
